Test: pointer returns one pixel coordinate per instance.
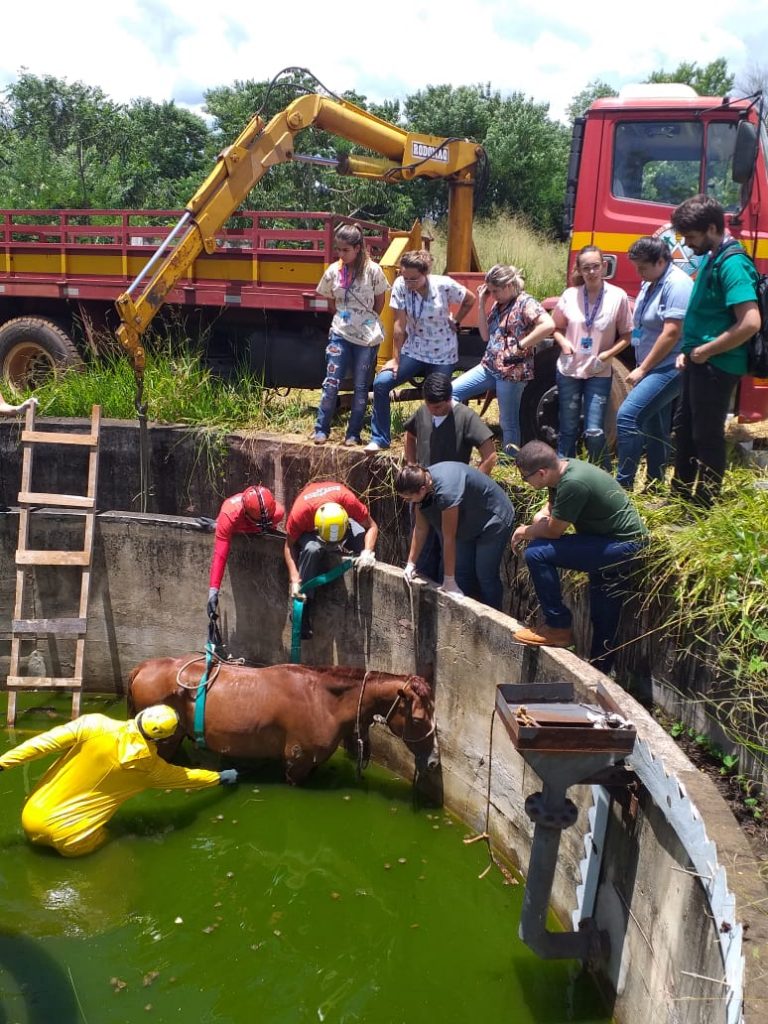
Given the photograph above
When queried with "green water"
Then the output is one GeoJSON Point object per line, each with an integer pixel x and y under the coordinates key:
{"type": "Point", "coordinates": [338, 902]}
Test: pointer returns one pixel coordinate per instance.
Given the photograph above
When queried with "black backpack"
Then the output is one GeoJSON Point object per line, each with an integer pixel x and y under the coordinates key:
{"type": "Point", "coordinates": [757, 345]}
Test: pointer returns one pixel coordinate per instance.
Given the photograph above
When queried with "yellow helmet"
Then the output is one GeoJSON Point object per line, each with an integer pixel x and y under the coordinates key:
{"type": "Point", "coordinates": [331, 522]}
{"type": "Point", "coordinates": [158, 722]}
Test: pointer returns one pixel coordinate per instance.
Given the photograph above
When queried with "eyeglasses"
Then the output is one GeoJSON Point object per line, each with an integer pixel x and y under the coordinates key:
{"type": "Point", "coordinates": [528, 476]}
{"type": "Point", "coordinates": [413, 280]}
{"type": "Point", "coordinates": [592, 268]}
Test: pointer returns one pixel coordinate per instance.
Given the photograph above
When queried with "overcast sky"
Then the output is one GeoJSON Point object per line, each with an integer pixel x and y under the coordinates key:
{"type": "Point", "coordinates": [550, 50]}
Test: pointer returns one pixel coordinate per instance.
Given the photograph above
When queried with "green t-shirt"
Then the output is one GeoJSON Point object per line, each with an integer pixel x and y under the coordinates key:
{"type": "Point", "coordinates": [594, 502]}
{"type": "Point", "coordinates": [720, 284]}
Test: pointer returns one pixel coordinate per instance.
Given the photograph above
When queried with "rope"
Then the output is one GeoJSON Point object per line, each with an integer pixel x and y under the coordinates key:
{"type": "Point", "coordinates": [298, 604]}
{"type": "Point", "coordinates": [360, 745]}
{"type": "Point", "coordinates": [144, 460]}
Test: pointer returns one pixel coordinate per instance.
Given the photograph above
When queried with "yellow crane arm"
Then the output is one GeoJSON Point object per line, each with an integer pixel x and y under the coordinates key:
{"type": "Point", "coordinates": [259, 147]}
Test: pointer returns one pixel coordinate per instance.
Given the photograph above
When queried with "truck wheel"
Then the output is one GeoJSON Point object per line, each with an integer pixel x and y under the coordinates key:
{"type": "Point", "coordinates": [31, 349]}
{"type": "Point", "coordinates": [547, 418]}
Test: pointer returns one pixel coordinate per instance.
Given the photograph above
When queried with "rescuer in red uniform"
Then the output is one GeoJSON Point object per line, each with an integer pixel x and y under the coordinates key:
{"type": "Point", "coordinates": [254, 510]}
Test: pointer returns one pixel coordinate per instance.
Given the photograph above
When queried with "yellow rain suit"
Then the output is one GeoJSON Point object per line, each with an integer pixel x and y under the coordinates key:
{"type": "Point", "coordinates": [106, 763]}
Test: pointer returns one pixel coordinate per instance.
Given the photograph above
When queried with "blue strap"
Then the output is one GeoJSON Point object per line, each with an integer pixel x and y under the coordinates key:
{"type": "Point", "coordinates": [298, 604]}
{"type": "Point", "coordinates": [201, 695]}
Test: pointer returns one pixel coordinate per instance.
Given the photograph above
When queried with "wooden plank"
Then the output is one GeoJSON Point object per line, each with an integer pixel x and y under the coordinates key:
{"type": "Point", "coordinates": [53, 557]}
{"type": "Point", "coordinates": [43, 683]}
{"type": "Point", "coordinates": [61, 500]}
{"type": "Point", "coordinates": [54, 437]}
{"type": "Point", "coordinates": [63, 626]}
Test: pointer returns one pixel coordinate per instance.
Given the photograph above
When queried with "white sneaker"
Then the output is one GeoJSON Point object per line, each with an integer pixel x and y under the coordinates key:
{"type": "Point", "coordinates": [373, 446]}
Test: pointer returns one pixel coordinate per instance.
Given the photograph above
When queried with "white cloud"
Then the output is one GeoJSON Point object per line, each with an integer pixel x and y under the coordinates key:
{"type": "Point", "coordinates": [175, 49]}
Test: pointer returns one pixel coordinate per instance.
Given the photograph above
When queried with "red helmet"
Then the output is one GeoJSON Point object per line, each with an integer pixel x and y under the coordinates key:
{"type": "Point", "coordinates": [260, 506]}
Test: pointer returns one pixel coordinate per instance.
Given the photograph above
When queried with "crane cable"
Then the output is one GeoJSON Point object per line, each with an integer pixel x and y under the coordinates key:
{"type": "Point", "coordinates": [144, 462]}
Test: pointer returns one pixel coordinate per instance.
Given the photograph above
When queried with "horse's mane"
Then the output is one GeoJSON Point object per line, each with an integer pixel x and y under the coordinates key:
{"type": "Point", "coordinates": [343, 678]}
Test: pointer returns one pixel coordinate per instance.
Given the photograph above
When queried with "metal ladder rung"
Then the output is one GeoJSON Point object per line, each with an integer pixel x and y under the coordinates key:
{"type": "Point", "coordinates": [34, 626]}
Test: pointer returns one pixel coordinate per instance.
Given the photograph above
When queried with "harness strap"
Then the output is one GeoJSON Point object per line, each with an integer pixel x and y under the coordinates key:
{"type": "Point", "coordinates": [298, 604]}
{"type": "Point", "coordinates": [214, 640]}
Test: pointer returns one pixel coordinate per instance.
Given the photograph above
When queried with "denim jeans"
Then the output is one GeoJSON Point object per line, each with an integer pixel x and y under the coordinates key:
{"type": "Point", "coordinates": [608, 563]}
{"type": "Point", "coordinates": [509, 394]}
{"type": "Point", "coordinates": [339, 354]}
{"type": "Point", "coordinates": [385, 381]}
{"type": "Point", "coordinates": [644, 420]}
{"type": "Point", "coordinates": [700, 430]}
{"type": "Point", "coordinates": [593, 392]}
{"type": "Point", "coordinates": [478, 561]}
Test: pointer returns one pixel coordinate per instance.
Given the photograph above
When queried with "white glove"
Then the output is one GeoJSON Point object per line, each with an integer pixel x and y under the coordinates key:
{"type": "Point", "coordinates": [296, 592]}
{"type": "Point", "coordinates": [365, 560]}
{"type": "Point", "coordinates": [449, 586]}
{"type": "Point", "coordinates": [409, 572]}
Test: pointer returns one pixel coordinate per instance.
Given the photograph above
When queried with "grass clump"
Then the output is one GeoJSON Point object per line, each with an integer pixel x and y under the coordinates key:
{"type": "Point", "coordinates": [710, 570]}
{"type": "Point", "coordinates": [510, 240]}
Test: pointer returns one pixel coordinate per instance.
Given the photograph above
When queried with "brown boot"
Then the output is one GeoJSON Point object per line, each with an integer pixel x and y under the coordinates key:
{"type": "Point", "coordinates": [545, 636]}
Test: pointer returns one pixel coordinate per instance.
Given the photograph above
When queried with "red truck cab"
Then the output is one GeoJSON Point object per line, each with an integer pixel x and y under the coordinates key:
{"type": "Point", "coordinates": [636, 156]}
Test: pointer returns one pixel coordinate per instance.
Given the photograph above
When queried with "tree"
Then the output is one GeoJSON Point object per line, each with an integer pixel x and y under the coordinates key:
{"type": "Point", "coordinates": [712, 80]}
{"type": "Point", "coordinates": [596, 90]}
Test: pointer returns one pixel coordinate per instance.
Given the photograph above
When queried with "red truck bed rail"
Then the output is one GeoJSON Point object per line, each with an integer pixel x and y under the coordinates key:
{"type": "Point", "coordinates": [265, 259]}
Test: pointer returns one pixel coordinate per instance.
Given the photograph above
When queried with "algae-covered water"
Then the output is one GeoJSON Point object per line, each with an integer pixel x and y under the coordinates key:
{"type": "Point", "coordinates": [338, 902]}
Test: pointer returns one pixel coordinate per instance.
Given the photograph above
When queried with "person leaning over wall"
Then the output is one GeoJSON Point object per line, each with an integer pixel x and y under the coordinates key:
{"type": "Point", "coordinates": [474, 518]}
{"type": "Point", "coordinates": [608, 534]}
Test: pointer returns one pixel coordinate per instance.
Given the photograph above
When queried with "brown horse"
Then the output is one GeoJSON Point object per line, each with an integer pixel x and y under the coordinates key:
{"type": "Point", "coordinates": [298, 714]}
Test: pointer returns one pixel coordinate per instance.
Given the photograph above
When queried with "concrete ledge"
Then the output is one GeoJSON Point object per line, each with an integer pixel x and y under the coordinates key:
{"type": "Point", "coordinates": [666, 916]}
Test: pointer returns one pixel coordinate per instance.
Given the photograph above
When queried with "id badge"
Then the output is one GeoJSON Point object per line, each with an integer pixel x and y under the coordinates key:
{"type": "Point", "coordinates": [636, 332]}
{"type": "Point", "coordinates": [586, 345]}
{"type": "Point", "coordinates": [344, 315]}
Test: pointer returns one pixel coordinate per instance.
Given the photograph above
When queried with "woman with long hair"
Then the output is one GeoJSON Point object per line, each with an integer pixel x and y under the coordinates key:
{"type": "Point", "coordinates": [355, 287]}
{"type": "Point", "coordinates": [511, 330]}
{"type": "Point", "coordinates": [593, 324]}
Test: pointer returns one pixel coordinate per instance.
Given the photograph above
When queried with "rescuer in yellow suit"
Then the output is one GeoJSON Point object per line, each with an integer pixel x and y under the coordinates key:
{"type": "Point", "coordinates": [106, 763]}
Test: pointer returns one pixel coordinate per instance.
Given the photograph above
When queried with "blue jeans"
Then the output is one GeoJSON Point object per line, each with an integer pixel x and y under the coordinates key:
{"type": "Point", "coordinates": [608, 563]}
{"type": "Point", "coordinates": [339, 353]}
{"type": "Point", "coordinates": [385, 381]}
{"type": "Point", "coordinates": [644, 419]}
{"type": "Point", "coordinates": [594, 393]}
{"type": "Point", "coordinates": [478, 561]}
{"type": "Point", "coordinates": [509, 394]}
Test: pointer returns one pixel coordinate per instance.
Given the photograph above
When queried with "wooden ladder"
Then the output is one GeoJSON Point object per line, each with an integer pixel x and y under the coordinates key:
{"type": "Point", "coordinates": [63, 628]}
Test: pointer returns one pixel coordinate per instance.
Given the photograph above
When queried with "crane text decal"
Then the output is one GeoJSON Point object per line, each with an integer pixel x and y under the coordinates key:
{"type": "Point", "coordinates": [422, 151]}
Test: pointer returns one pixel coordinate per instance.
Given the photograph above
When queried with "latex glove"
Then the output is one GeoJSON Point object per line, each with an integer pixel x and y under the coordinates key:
{"type": "Point", "coordinates": [365, 560]}
{"type": "Point", "coordinates": [409, 572]}
{"type": "Point", "coordinates": [205, 523]}
{"type": "Point", "coordinates": [296, 594]}
{"type": "Point", "coordinates": [449, 586]}
{"type": "Point", "coordinates": [213, 603]}
{"type": "Point", "coordinates": [228, 777]}
{"type": "Point", "coordinates": [598, 365]}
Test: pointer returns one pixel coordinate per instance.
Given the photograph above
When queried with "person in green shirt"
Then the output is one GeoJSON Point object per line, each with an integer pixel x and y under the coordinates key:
{"type": "Point", "coordinates": [722, 316]}
{"type": "Point", "coordinates": [608, 534]}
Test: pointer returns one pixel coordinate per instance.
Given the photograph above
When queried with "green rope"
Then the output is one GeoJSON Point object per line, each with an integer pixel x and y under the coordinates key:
{"type": "Point", "coordinates": [298, 604]}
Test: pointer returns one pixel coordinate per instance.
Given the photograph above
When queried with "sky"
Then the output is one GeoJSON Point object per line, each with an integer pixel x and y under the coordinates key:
{"type": "Point", "coordinates": [176, 49]}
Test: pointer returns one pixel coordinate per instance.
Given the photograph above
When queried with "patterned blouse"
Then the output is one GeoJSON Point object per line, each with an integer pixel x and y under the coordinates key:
{"type": "Point", "coordinates": [508, 325]}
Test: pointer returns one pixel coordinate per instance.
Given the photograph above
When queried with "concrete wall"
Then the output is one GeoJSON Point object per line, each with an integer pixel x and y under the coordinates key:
{"type": "Point", "coordinates": [654, 898]}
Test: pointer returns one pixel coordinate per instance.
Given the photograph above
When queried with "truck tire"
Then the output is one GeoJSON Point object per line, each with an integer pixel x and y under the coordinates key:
{"type": "Point", "coordinates": [546, 415]}
{"type": "Point", "coordinates": [31, 349]}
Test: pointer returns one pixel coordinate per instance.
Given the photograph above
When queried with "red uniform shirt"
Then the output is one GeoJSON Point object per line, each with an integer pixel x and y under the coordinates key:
{"type": "Point", "coordinates": [232, 519]}
{"type": "Point", "coordinates": [301, 518]}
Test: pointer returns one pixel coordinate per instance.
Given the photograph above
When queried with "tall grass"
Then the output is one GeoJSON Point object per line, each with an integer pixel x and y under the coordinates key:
{"type": "Point", "coordinates": [508, 239]}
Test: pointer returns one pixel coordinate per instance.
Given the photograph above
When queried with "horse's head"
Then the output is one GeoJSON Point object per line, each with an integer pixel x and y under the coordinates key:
{"type": "Point", "coordinates": [412, 719]}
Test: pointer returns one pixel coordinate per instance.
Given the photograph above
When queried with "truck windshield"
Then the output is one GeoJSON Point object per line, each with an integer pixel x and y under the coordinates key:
{"type": "Point", "coordinates": [667, 161]}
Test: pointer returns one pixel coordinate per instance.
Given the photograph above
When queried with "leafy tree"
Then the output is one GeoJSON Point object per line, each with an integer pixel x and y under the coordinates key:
{"type": "Point", "coordinates": [712, 80]}
{"type": "Point", "coordinates": [596, 90]}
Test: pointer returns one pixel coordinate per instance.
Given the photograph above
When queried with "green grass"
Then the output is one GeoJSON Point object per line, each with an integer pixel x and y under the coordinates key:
{"type": "Point", "coordinates": [509, 240]}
